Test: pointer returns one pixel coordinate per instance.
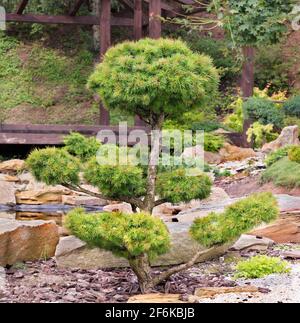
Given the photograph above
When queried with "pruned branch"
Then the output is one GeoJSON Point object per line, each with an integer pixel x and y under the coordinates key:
{"type": "Point", "coordinates": [168, 273]}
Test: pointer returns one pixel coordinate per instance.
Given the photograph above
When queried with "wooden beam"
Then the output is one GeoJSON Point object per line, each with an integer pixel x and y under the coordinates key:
{"type": "Point", "coordinates": [21, 7]}
{"type": "Point", "coordinates": [154, 19]}
{"type": "Point", "coordinates": [76, 8]}
{"type": "Point", "coordinates": [66, 20]}
{"type": "Point", "coordinates": [138, 34]}
{"type": "Point", "coordinates": [105, 43]}
{"type": "Point", "coordinates": [138, 19]}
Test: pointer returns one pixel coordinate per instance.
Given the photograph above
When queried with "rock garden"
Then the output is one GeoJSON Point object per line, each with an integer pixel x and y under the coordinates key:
{"type": "Point", "coordinates": [211, 215]}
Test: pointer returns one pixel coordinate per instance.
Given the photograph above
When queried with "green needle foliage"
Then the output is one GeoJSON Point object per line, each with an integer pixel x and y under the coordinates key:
{"type": "Point", "coordinates": [261, 266]}
{"type": "Point", "coordinates": [154, 77]}
{"type": "Point", "coordinates": [239, 218]}
{"type": "Point", "coordinates": [116, 181]}
{"type": "Point", "coordinates": [177, 186]}
{"type": "Point", "coordinates": [54, 166]}
{"type": "Point", "coordinates": [81, 146]}
{"type": "Point", "coordinates": [284, 173]}
{"type": "Point", "coordinates": [276, 155]}
{"type": "Point", "coordinates": [294, 154]}
{"type": "Point", "coordinates": [127, 236]}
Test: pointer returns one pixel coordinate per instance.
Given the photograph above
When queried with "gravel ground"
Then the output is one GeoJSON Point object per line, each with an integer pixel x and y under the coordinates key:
{"type": "Point", "coordinates": [44, 282]}
{"type": "Point", "coordinates": [283, 289]}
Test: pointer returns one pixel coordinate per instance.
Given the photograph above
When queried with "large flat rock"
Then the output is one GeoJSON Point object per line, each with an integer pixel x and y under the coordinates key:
{"type": "Point", "coordinates": [24, 241]}
{"type": "Point", "coordinates": [7, 193]}
{"type": "Point", "coordinates": [72, 252]}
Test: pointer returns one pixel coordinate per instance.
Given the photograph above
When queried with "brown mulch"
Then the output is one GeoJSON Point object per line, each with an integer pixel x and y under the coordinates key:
{"type": "Point", "coordinates": [43, 282]}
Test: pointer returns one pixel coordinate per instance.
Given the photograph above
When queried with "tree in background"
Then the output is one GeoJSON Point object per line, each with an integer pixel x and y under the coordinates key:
{"type": "Point", "coordinates": [249, 24]}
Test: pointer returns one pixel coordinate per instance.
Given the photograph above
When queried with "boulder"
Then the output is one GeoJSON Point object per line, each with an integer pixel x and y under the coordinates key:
{"type": "Point", "coordinates": [218, 195]}
{"type": "Point", "coordinates": [12, 166]}
{"type": "Point", "coordinates": [212, 158]}
{"type": "Point", "coordinates": [2, 282]}
{"type": "Point", "coordinates": [288, 136]}
{"type": "Point", "coordinates": [7, 193]}
{"type": "Point", "coordinates": [46, 196]}
{"type": "Point", "coordinates": [198, 152]}
{"type": "Point", "coordinates": [71, 252]}
{"type": "Point", "coordinates": [284, 230]}
{"type": "Point", "coordinates": [249, 242]}
{"type": "Point", "coordinates": [295, 254]}
{"type": "Point", "coordinates": [121, 207]}
{"type": "Point", "coordinates": [76, 200]}
{"type": "Point", "coordinates": [234, 153]}
{"type": "Point", "coordinates": [26, 241]}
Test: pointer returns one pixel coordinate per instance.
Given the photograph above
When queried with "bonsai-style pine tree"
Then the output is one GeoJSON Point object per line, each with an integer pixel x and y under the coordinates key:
{"type": "Point", "coordinates": [154, 79]}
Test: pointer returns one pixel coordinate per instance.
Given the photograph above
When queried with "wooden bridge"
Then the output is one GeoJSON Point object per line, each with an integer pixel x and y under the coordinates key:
{"type": "Point", "coordinates": [53, 135]}
{"type": "Point", "coordinates": [50, 135]}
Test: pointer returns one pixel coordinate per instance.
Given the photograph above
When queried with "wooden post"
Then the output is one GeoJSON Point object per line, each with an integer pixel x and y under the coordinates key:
{"type": "Point", "coordinates": [154, 19]}
{"type": "Point", "coordinates": [105, 43]}
{"type": "Point", "coordinates": [247, 86]}
{"type": "Point", "coordinates": [138, 34]}
{"type": "Point", "coordinates": [138, 19]}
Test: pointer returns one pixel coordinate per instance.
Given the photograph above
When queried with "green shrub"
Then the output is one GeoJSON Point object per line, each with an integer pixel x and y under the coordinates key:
{"type": "Point", "coordinates": [284, 173]}
{"type": "Point", "coordinates": [292, 107]}
{"type": "Point", "coordinates": [213, 143]}
{"type": "Point", "coordinates": [178, 187]}
{"type": "Point", "coordinates": [115, 181]}
{"type": "Point", "coordinates": [292, 121]}
{"type": "Point", "coordinates": [261, 266]}
{"type": "Point", "coordinates": [235, 120]}
{"type": "Point", "coordinates": [125, 235]}
{"type": "Point", "coordinates": [264, 111]}
{"type": "Point", "coordinates": [54, 166]}
{"type": "Point", "coordinates": [81, 146]}
{"type": "Point", "coordinates": [294, 154]}
{"type": "Point", "coordinates": [217, 229]}
{"type": "Point", "coordinates": [207, 126]}
{"type": "Point", "coordinates": [261, 134]}
{"type": "Point", "coordinates": [276, 155]}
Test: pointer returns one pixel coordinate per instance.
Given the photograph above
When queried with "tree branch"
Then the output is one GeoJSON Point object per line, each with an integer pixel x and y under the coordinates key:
{"type": "Point", "coordinates": [168, 273]}
{"type": "Point", "coordinates": [77, 188]}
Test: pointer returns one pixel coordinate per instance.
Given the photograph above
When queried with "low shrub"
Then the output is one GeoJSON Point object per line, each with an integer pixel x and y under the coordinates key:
{"type": "Point", "coordinates": [292, 121]}
{"type": "Point", "coordinates": [292, 107]}
{"type": "Point", "coordinates": [294, 154]}
{"type": "Point", "coordinates": [54, 166]}
{"type": "Point", "coordinates": [81, 146]}
{"type": "Point", "coordinates": [284, 173]}
{"type": "Point", "coordinates": [178, 187]}
{"type": "Point", "coordinates": [217, 229]}
{"type": "Point", "coordinates": [261, 266]}
{"type": "Point", "coordinates": [213, 143]}
{"type": "Point", "coordinates": [261, 134]}
{"type": "Point", "coordinates": [207, 126]}
{"type": "Point", "coordinates": [264, 111]}
{"type": "Point", "coordinates": [235, 120]}
{"type": "Point", "coordinates": [276, 155]}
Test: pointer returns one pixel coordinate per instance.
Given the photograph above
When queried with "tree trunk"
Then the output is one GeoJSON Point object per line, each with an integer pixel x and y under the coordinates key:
{"type": "Point", "coordinates": [149, 201]}
{"type": "Point", "coordinates": [141, 267]}
{"type": "Point", "coordinates": [247, 85]}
